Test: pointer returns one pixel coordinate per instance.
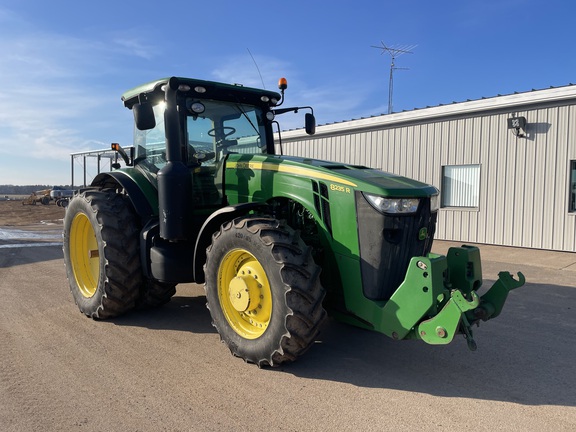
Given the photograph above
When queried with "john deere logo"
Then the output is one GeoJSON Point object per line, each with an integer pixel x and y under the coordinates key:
{"type": "Point", "coordinates": [423, 233]}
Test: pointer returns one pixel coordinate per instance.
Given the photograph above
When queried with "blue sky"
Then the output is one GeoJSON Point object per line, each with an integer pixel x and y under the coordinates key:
{"type": "Point", "coordinates": [65, 63]}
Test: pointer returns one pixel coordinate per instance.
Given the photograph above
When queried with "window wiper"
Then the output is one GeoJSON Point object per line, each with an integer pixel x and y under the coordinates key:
{"type": "Point", "coordinates": [248, 118]}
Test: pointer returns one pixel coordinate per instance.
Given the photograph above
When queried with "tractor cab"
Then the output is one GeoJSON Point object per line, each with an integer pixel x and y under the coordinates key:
{"type": "Point", "coordinates": [185, 128]}
{"type": "Point", "coordinates": [211, 129]}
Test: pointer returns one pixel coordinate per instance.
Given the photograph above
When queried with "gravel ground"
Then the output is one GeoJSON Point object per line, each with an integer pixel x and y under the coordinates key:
{"type": "Point", "coordinates": [165, 369]}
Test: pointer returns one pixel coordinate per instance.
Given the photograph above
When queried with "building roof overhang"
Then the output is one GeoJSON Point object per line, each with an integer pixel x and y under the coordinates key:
{"type": "Point", "coordinates": [512, 102]}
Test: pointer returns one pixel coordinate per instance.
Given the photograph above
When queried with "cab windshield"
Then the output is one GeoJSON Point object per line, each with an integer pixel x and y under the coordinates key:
{"type": "Point", "coordinates": [213, 129]}
{"type": "Point", "coordinates": [223, 128]}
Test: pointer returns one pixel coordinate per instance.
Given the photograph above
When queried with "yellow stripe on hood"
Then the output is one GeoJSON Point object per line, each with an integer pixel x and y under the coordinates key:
{"type": "Point", "coordinates": [301, 171]}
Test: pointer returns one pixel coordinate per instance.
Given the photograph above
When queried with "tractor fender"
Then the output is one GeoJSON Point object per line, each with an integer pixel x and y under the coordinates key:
{"type": "Point", "coordinates": [212, 224]}
{"type": "Point", "coordinates": [136, 187]}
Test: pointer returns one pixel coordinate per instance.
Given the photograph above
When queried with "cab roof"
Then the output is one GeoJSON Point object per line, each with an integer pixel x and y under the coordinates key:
{"type": "Point", "coordinates": [212, 90]}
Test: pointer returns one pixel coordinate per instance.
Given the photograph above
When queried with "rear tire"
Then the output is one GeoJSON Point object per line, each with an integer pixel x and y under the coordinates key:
{"type": "Point", "coordinates": [102, 253]}
{"type": "Point", "coordinates": [154, 294]}
{"type": "Point", "coordinates": [263, 291]}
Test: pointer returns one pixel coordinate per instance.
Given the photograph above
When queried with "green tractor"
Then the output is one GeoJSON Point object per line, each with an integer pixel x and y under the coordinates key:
{"type": "Point", "coordinates": [277, 241]}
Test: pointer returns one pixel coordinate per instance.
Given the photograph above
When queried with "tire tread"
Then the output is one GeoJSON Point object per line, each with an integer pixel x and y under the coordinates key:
{"type": "Point", "coordinates": [300, 276]}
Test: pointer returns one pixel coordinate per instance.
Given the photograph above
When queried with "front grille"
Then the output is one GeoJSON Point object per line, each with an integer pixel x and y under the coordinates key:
{"type": "Point", "coordinates": [387, 243]}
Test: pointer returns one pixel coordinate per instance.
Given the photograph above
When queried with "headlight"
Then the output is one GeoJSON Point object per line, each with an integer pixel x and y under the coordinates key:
{"type": "Point", "coordinates": [393, 205]}
{"type": "Point", "coordinates": [434, 203]}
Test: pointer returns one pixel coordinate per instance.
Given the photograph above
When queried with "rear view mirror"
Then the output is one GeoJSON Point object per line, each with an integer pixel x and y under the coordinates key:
{"type": "Point", "coordinates": [310, 123]}
{"type": "Point", "coordinates": [144, 115]}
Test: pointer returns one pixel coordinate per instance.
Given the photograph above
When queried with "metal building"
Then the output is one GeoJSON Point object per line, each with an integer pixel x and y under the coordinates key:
{"type": "Point", "coordinates": [505, 166]}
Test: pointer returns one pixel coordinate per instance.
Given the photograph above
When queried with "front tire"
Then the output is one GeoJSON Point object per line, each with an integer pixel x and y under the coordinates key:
{"type": "Point", "coordinates": [101, 253]}
{"type": "Point", "coordinates": [263, 291]}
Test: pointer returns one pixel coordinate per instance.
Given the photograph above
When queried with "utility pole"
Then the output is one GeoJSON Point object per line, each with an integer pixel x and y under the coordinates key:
{"type": "Point", "coordinates": [393, 52]}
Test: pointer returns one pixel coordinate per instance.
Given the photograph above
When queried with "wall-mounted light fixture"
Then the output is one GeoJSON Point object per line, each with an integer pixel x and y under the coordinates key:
{"type": "Point", "coordinates": [518, 126]}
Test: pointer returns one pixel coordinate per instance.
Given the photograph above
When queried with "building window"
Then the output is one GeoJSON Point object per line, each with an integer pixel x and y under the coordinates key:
{"type": "Point", "coordinates": [461, 186]}
{"type": "Point", "coordinates": [572, 191]}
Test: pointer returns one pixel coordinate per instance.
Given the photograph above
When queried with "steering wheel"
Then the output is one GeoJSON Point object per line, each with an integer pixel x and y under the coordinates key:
{"type": "Point", "coordinates": [226, 131]}
{"type": "Point", "coordinates": [202, 156]}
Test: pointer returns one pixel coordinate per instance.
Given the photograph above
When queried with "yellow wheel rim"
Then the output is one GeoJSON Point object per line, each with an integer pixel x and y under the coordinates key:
{"type": "Point", "coordinates": [84, 255]}
{"type": "Point", "coordinates": [244, 294]}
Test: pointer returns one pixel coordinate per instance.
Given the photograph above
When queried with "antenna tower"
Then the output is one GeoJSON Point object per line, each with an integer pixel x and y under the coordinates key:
{"type": "Point", "coordinates": [393, 52]}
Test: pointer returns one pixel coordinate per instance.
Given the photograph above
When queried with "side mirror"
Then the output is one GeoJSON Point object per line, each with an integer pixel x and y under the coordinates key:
{"type": "Point", "coordinates": [144, 115]}
{"type": "Point", "coordinates": [310, 123]}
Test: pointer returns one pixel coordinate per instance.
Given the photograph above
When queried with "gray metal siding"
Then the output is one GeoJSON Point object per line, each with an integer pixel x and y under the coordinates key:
{"type": "Point", "coordinates": [523, 181]}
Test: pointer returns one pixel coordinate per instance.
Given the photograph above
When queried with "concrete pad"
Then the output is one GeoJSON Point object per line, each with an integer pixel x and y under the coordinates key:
{"type": "Point", "coordinates": [522, 256]}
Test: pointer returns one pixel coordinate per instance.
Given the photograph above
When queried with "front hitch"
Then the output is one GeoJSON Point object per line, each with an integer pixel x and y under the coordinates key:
{"type": "Point", "coordinates": [441, 329]}
{"type": "Point", "coordinates": [492, 302]}
{"type": "Point", "coordinates": [464, 308]}
{"type": "Point", "coordinates": [437, 300]}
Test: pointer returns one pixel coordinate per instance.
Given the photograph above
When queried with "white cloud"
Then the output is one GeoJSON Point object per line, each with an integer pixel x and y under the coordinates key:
{"type": "Point", "coordinates": [52, 101]}
{"type": "Point", "coordinates": [49, 98]}
{"type": "Point", "coordinates": [129, 45]}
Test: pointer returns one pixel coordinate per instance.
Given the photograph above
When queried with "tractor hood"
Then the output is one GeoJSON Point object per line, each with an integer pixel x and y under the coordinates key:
{"type": "Point", "coordinates": [359, 177]}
